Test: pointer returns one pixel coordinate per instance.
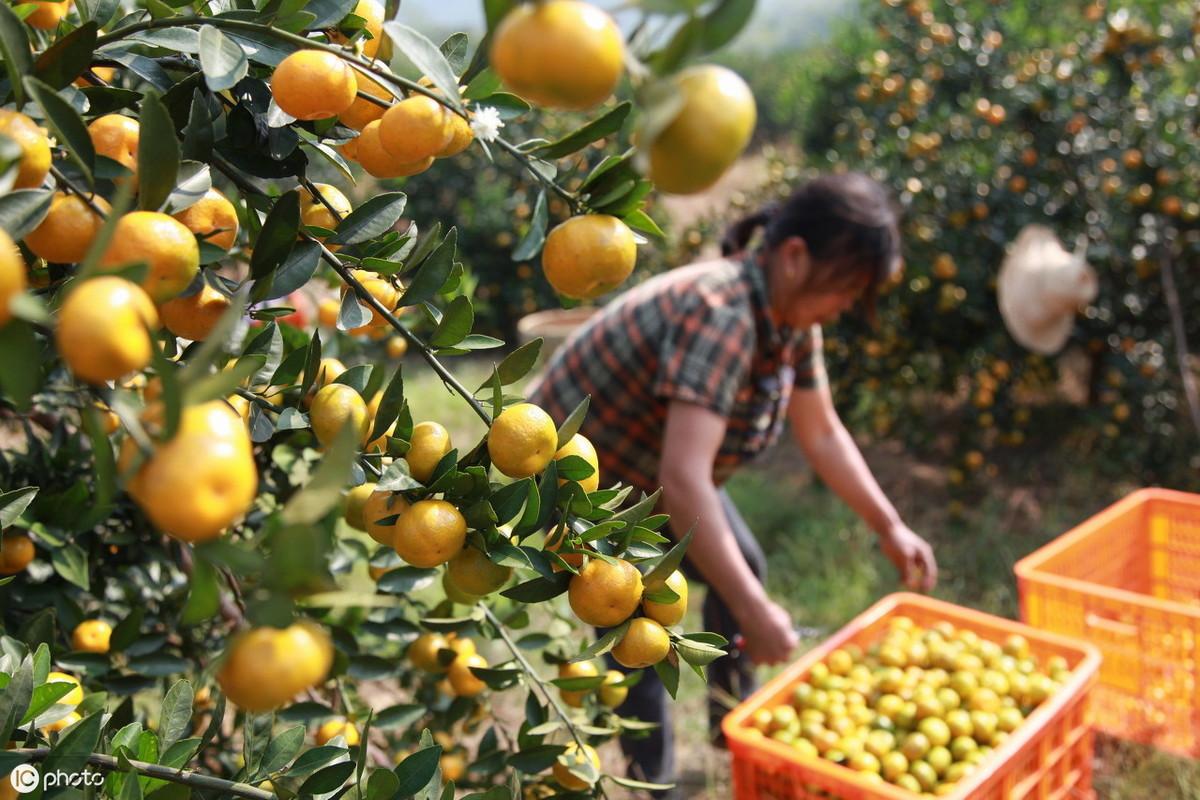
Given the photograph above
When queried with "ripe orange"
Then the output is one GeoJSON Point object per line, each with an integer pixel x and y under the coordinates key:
{"type": "Point", "coordinates": [194, 316]}
{"type": "Point", "coordinates": [355, 505]}
{"type": "Point", "coordinates": [430, 533]}
{"type": "Point", "coordinates": [423, 652]}
{"type": "Point", "coordinates": [378, 162]}
{"type": "Point", "coordinates": [116, 136]}
{"type": "Point", "coordinates": [461, 136]}
{"type": "Point", "coordinates": [605, 594]}
{"type": "Point", "coordinates": [104, 329]}
{"type": "Point", "coordinates": [430, 443]}
{"type": "Point", "coordinates": [588, 256]}
{"type": "Point", "coordinates": [580, 445]}
{"type": "Point", "coordinates": [71, 698]}
{"type": "Point", "coordinates": [473, 573]}
{"type": "Point", "coordinates": [373, 15]}
{"type": "Point", "coordinates": [415, 129]}
{"type": "Point", "coordinates": [709, 133]}
{"type": "Point", "coordinates": [313, 84]}
{"type": "Point", "coordinates": [462, 680]}
{"type": "Point", "coordinates": [362, 110]}
{"type": "Point", "coordinates": [12, 275]}
{"type": "Point", "coordinates": [610, 695]}
{"type": "Point", "coordinates": [522, 440]}
{"type": "Point", "coordinates": [163, 243]}
{"type": "Point", "coordinates": [322, 214]}
{"type": "Point", "coordinates": [645, 644]}
{"type": "Point", "coordinates": [334, 728]}
{"type": "Point", "coordinates": [91, 636]}
{"type": "Point", "coordinates": [577, 759]}
{"type": "Point", "coordinates": [266, 667]}
{"type": "Point", "coordinates": [16, 552]}
{"type": "Point", "coordinates": [67, 231]}
{"type": "Point", "coordinates": [213, 218]}
{"type": "Point", "coordinates": [668, 613]}
{"type": "Point", "coordinates": [382, 505]}
{"type": "Point", "coordinates": [35, 147]}
{"type": "Point", "coordinates": [396, 346]}
{"type": "Point", "coordinates": [579, 669]}
{"type": "Point", "coordinates": [562, 54]}
{"type": "Point", "coordinates": [335, 407]}
{"type": "Point", "coordinates": [46, 16]}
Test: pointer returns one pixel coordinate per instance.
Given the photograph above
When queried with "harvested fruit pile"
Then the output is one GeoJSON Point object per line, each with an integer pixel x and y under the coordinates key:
{"type": "Point", "coordinates": [921, 708]}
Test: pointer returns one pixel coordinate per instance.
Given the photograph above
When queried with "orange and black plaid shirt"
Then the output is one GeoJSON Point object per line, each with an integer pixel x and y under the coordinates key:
{"type": "Point", "coordinates": [700, 334]}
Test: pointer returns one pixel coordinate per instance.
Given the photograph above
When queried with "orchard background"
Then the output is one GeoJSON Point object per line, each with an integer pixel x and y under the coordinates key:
{"type": "Point", "coordinates": [981, 116]}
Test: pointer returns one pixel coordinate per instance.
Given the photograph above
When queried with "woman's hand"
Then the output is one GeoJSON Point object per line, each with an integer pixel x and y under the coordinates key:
{"type": "Point", "coordinates": [768, 635]}
{"type": "Point", "coordinates": [912, 556]}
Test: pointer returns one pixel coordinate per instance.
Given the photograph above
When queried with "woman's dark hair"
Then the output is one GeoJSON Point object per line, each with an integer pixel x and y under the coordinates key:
{"type": "Point", "coordinates": [849, 223]}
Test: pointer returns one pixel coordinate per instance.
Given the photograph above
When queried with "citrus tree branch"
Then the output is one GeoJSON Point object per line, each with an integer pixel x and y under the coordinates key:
{"type": "Point", "coordinates": [185, 777]}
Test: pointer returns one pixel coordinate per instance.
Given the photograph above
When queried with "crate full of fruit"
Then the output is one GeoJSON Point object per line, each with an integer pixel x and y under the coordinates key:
{"type": "Point", "coordinates": [920, 697]}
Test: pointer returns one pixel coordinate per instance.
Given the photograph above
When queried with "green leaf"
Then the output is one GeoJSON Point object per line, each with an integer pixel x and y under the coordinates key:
{"type": "Point", "coordinates": [427, 58]}
{"type": "Point", "coordinates": [668, 673]}
{"type": "Point", "coordinates": [456, 323]}
{"type": "Point", "coordinates": [328, 779]}
{"type": "Point", "coordinates": [630, 783]}
{"type": "Point", "coordinates": [417, 770]}
{"type": "Point", "coordinates": [23, 210]}
{"type": "Point", "coordinates": [373, 218]}
{"type": "Point", "coordinates": [697, 653]}
{"type": "Point", "coordinates": [198, 135]}
{"type": "Point", "coordinates": [277, 237]}
{"type": "Point", "coordinates": [71, 753]}
{"type": "Point", "coordinates": [64, 121]}
{"type": "Point", "coordinates": [575, 141]}
{"type": "Point", "coordinates": [175, 718]}
{"type": "Point", "coordinates": [352, 314]}
{"type": "Point", "coordinates": [396, 478]}
{"type": "Point", "coordinates": [324, 491]}
{"type": "Point", "coordinates": [222, 59]}
{"type": "Point", "coordinates": [14, 51]}
{"type": "Point", "coordinates": [539, 590]}
{"type": "Point", "coordinates": [204, 598]}
{"type": "Point", "coordinates": [535, 237]}
{"type": "Point", "coordinates": [605, 643]}
{"type": "Point", "coordinates": [433, 271]}
{"type": "Point", "coordinates": [70, 561]}
{"type": "Point", "coordinates": [15, 699]}
{"type": "Point", "coordinates": [67, 58]}
{"type": "Point", "coordinates": [389, 405]}
{"type": "Point", "coordinates": [400, 716]}
{"type": "Point", "coordinates": [382, 785]}
{"type": "Point", "coordinates": [573, 421]}
{"type": "Point", "coordinates": [158, 154]}
{"type": "Point", "coordinates": [14, 503]}
{"type": "Point", "coordinates": [640, 220]}
{"type": "Point", "coordinates": [20, 362]}
{"type": "Point", "coordinates": [127, 630]}
{"type": "Point", "coordinates": [533, 760]}
{"type": "Point", "coordinates": [44, 697]}
{"type": "Point", "coordinates": [282, 749]}
{"type": "Point", "coordinates": [724, 22]}
{"type": "Point", "coordinates": [670, 561]}
{"type": "Point", "coordinates": [104, 466]}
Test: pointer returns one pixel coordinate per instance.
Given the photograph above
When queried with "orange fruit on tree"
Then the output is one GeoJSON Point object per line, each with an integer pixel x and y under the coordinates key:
{"type": "Point", "coordinates": [562, 54]}
{"type": "Point", "coordinates": [461, 136]}
{"type": "Point", "coordinates": [163, 243]}
{"type": "Point", "coordinates": [645, 644]}
{"type": "Point", "coordinates": [334, 728]}
{"type": "Point", "coordinates": [61, 724]}
{"type": "Point", "coordinates": [430, 533]}
{"type": "Point", "coordinates": [383, 291]}
{"type": "Point", "coordinates": [66, 232]}
{"type": "Point", "coordinates": [47, 14]}
{"type": "Point", "coordinates": [453, 766]}
{"type": "Point", "coordinates": [12, 275]}
{"type": "Point", "coordinates": [580, 445]}
{"type": "Point", "coordinates": [35, 148]}
{"type": "Point", "coordinates": [667, 613]}
{"type": "Point", "coordinates": [708, 134]}
{"type": "Point", "coordinates": [362, 110]}
{"type": "Point", "coordinates": [16, 552]}
{"type": "Point", "coordinates": [116, 136]}
{"type": "Point", "coordinates": [373, 14]}
{"type": "Point", "coordinates": [576, 759]}
{"type": "Point", "coordinates": [522, 440]}
{"type": "Point", "coordinates": [462, 680]}
{"type": "Point", "coordinates": [105, 74]}
{"type": "Point", "coordinates": [588, 256]}
{"type": "Point", "coordinates": [104, 329]}
{"type": "Point", "coordinates": [195, 315]}
{"type": "Point", "coordinates": [327, 210]}
{"type": "Point", "coordinates": [91, 636]}
{"type": "Point", "coordinates": [379, 506]}
{"type": "Point", "coordinates": [416, 128]}
{"type": "Point", "coordinates": [201, 480]}
{"type": "Point", "coordinates": [327, 312]}
{"type": "Point", "coordinates": [455, 594]}
{"type": "Point", "coordinates": [429, 444]}
{"type": "Point", "coordinates": [378, 162]}
{"type": "Point", "coordinates": [355, 505]}
{"type": "Point", "coordinates": [605, 594]}
{"type": "Point", "coordinates": [313, 84]}
{"type": "Point", "coordinates": [396, 347]}
{"type": "Point", "coordinates": [336, 406]}
{"type": "Point", "coordinates": [328, 370]}
{"type": "Point", "coordinates": [423, 652]}
{"type": "Point", "coordinates": [610, 694]}
{"type": "Point", "coordinates": [472, 572]}
{"type": "Point", "coordinates": [266, 667]}
{"type": "Point", "coordinates": [213, 218]}
{"type": "Point", "coordinates": [71, 698]}
{"type": "Point", "coordinates": [576, 669]}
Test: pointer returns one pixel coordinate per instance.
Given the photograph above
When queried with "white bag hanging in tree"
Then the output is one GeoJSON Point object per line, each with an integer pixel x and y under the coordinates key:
{"type": "Point", "coordinates": [1041, 287]}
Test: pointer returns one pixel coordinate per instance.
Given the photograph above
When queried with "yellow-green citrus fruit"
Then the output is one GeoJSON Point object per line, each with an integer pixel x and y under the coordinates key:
{"type": "Point", "coordinates": [588, 256]}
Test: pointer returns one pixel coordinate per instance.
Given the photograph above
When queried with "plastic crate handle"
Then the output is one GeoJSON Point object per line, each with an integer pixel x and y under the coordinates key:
{"type": "Point", "coordinates": [1094, 620]}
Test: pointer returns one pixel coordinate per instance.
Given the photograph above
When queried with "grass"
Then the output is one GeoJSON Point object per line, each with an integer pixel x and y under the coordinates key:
{"type": "Point", "coordinates": [825, 567]}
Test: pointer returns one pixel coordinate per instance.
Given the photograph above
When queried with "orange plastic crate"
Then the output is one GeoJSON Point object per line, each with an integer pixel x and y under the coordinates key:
{"type": "Point", "coordinates": [1128, 581]}
{"type": "Point", "coordinates": [1048, 758]}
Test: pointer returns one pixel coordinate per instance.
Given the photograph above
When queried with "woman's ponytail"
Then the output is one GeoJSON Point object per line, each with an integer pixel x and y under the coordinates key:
{"type": "Point", "coordinates": [738, 235]}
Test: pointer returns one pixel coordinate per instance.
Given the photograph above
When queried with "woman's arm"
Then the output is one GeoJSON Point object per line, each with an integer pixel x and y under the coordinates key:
{"type": "Point", "coordinates": [837, 460]}
{"type": "Point", "coordinates": [691, 439]}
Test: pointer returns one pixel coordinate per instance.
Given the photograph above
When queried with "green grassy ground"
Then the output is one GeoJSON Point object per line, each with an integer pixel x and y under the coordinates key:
{"type": "Point", "coordinates": [825, 568]}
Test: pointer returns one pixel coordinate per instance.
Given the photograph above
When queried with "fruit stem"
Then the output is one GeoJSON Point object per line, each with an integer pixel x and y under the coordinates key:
{"type": "Point", "coordinates": [534, 677]}
{"type": "Point", "coordinates": [186, 777]}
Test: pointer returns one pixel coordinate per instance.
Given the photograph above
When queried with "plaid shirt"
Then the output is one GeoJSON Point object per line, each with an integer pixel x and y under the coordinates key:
{"type": "Point", "coordinates": [699, 334]}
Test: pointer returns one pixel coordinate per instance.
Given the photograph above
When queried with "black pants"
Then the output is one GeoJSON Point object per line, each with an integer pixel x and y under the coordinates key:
{"type": "Point", "coordinates": [652, 758]}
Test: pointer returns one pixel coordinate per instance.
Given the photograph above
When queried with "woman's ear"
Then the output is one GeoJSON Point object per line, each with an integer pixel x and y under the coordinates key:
{"type": "Point", "coordinates": [795, 260]}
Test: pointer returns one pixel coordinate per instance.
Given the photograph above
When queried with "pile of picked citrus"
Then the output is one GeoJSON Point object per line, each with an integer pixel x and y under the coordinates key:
{"type": "Point", "coordinates": [921, 708]}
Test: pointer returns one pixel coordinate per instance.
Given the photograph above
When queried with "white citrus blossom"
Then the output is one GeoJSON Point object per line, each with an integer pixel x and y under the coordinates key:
{"type": "Point", "coordinates": [486, 123]}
